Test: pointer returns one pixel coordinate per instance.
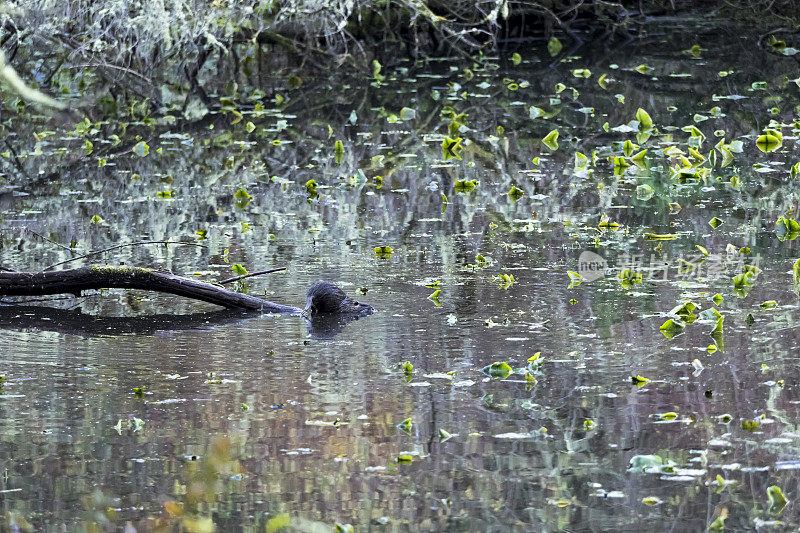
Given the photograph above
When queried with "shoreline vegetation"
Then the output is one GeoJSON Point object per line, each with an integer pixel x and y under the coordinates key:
{"type": "Point", "coordinates": [119, 58]}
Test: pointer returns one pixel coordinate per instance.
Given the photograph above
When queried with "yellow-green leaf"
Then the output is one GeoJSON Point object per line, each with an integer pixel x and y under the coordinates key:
{"type": "Point", "coordinates": [554, 46]}
{"type": "Point", "coordinates": [643, 117]}
{"type": "Point", "coordinates": [551, 140]}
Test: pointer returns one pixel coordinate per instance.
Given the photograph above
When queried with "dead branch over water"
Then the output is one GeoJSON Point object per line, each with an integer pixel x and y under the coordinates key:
{"type": "Point", "coordinates": [77, 280]}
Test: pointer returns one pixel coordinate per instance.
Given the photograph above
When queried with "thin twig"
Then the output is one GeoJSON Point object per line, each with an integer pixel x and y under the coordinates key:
{"type": "Point", "coordinates": [98, 252]}
{"type": "Point", "coordinates": [250, 274]}
{"type": "Point", "coordinates": [51, 241]}
{"type": "Point", "coordinates": [103, 64]}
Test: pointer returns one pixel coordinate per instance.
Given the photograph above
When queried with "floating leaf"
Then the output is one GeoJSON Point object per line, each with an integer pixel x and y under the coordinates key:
{"type": "Point", "coordinates": [554, 46]}
{"type": "Point", "coordinates": [498, 370]}
{"type": "Point", "coordinates": [769, 142]}
{"type": "Point", "coordinates": [638, 158]}
{"type": "Point", "coordinates": [715, 222]}
{"type": "Point", "coordinates": [643, 117]}
{"type": "Point", "coordinates": [405, 425]}
{"type": "Point", "coordinates": [582, 73]}
{"type": "Point", "coordinates": [434, 297]}
{"type": "Point", "coordinates": [777, 500]}
{"type": "Point", "coordinates": [606, 223]}
{"type": "Point", "coordinates": [516, 58]}
{"type": "Point", "coordinates": [376, 70]}
{"type": "Point", "coordinates": [141, 149]}
{"type": "Point", "coordinates": [796, 274]}
{"type": "Point", "coordinates": [639, 463]}
{"type": "Point", "coordinates": [672, 328]}
{"type": "Point", "coordinates": [620, 164]}
{"type": "Point", "coordinates": [408, 114]}
{"type": "Point", "coordinates": [575, 278]}
{"type": "Point", "coordinates": [311, 188]}
{"type": "Point", "coordinates": [743, 281]}
{"type": "Point", "coordinates": [696, 137]}
{"type": "Point", "coordinates": [515, 193]}
{"type": "Point", "coordinates": [238, 269]}
{"type": "Point", "coordinates": [581, 162]}
{"type": "Point", "coordinates": [506, 280]}
{"type": "Point", "coordinates": [719, 523]}
{"type": "Point", "coordinates": [751, 425]}
{"type": "Point", "coordinates": [639, 381]}
{"type": "Point", "coordinates": [551, 140]}
{"type": "Point", "coordinates": [787, 229]}
{"type": "Point", "coordinates": [627, 278]}
{"type": "Point", "coordinates": [465, 186]}
{"type": "Point", "coordinates": [451, 148]}
{"type": "Point", "coordinates": [660, 236]}
{"type": "Point", "coordinates": [338, 151]}
{"type": "Point", "coordinates": [535, 112]}
{"type": "Point", "coordinates": [644, 192]}
{"type": "Point", "coordinates": [685, 312]}
{"type": "Point", "coordinates": [628, 147]}
{"type": "Point", "coordinates": [383, 252]}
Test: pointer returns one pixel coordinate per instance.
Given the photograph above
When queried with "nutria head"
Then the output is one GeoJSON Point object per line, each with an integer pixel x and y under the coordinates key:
{"type": "Point", "coordinates": [325, 298]}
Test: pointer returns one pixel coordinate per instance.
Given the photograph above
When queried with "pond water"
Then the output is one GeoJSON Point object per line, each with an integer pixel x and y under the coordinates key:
{"type": "Point", "coordinates": [133, 409]}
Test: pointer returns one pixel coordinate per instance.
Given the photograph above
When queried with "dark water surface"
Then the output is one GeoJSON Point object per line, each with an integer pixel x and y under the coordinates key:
{"type": "Point", "coordinates": [248, 422]}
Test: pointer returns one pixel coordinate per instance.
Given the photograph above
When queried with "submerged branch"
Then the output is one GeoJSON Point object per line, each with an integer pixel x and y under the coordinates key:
{"type": "Point", "coordinates": [76, 280]}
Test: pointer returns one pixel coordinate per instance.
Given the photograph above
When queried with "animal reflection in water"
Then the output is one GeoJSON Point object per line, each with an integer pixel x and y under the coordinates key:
{"type": "Point", "coordinates": [328, 310]}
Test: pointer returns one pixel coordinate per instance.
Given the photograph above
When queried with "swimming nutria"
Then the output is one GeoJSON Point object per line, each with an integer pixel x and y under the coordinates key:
{"type": "Point", "coordinates": [325, 297]}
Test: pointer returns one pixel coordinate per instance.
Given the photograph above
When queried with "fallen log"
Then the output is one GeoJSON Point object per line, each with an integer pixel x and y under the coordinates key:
{"type": "Point", "coordinates": [76, 280]}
